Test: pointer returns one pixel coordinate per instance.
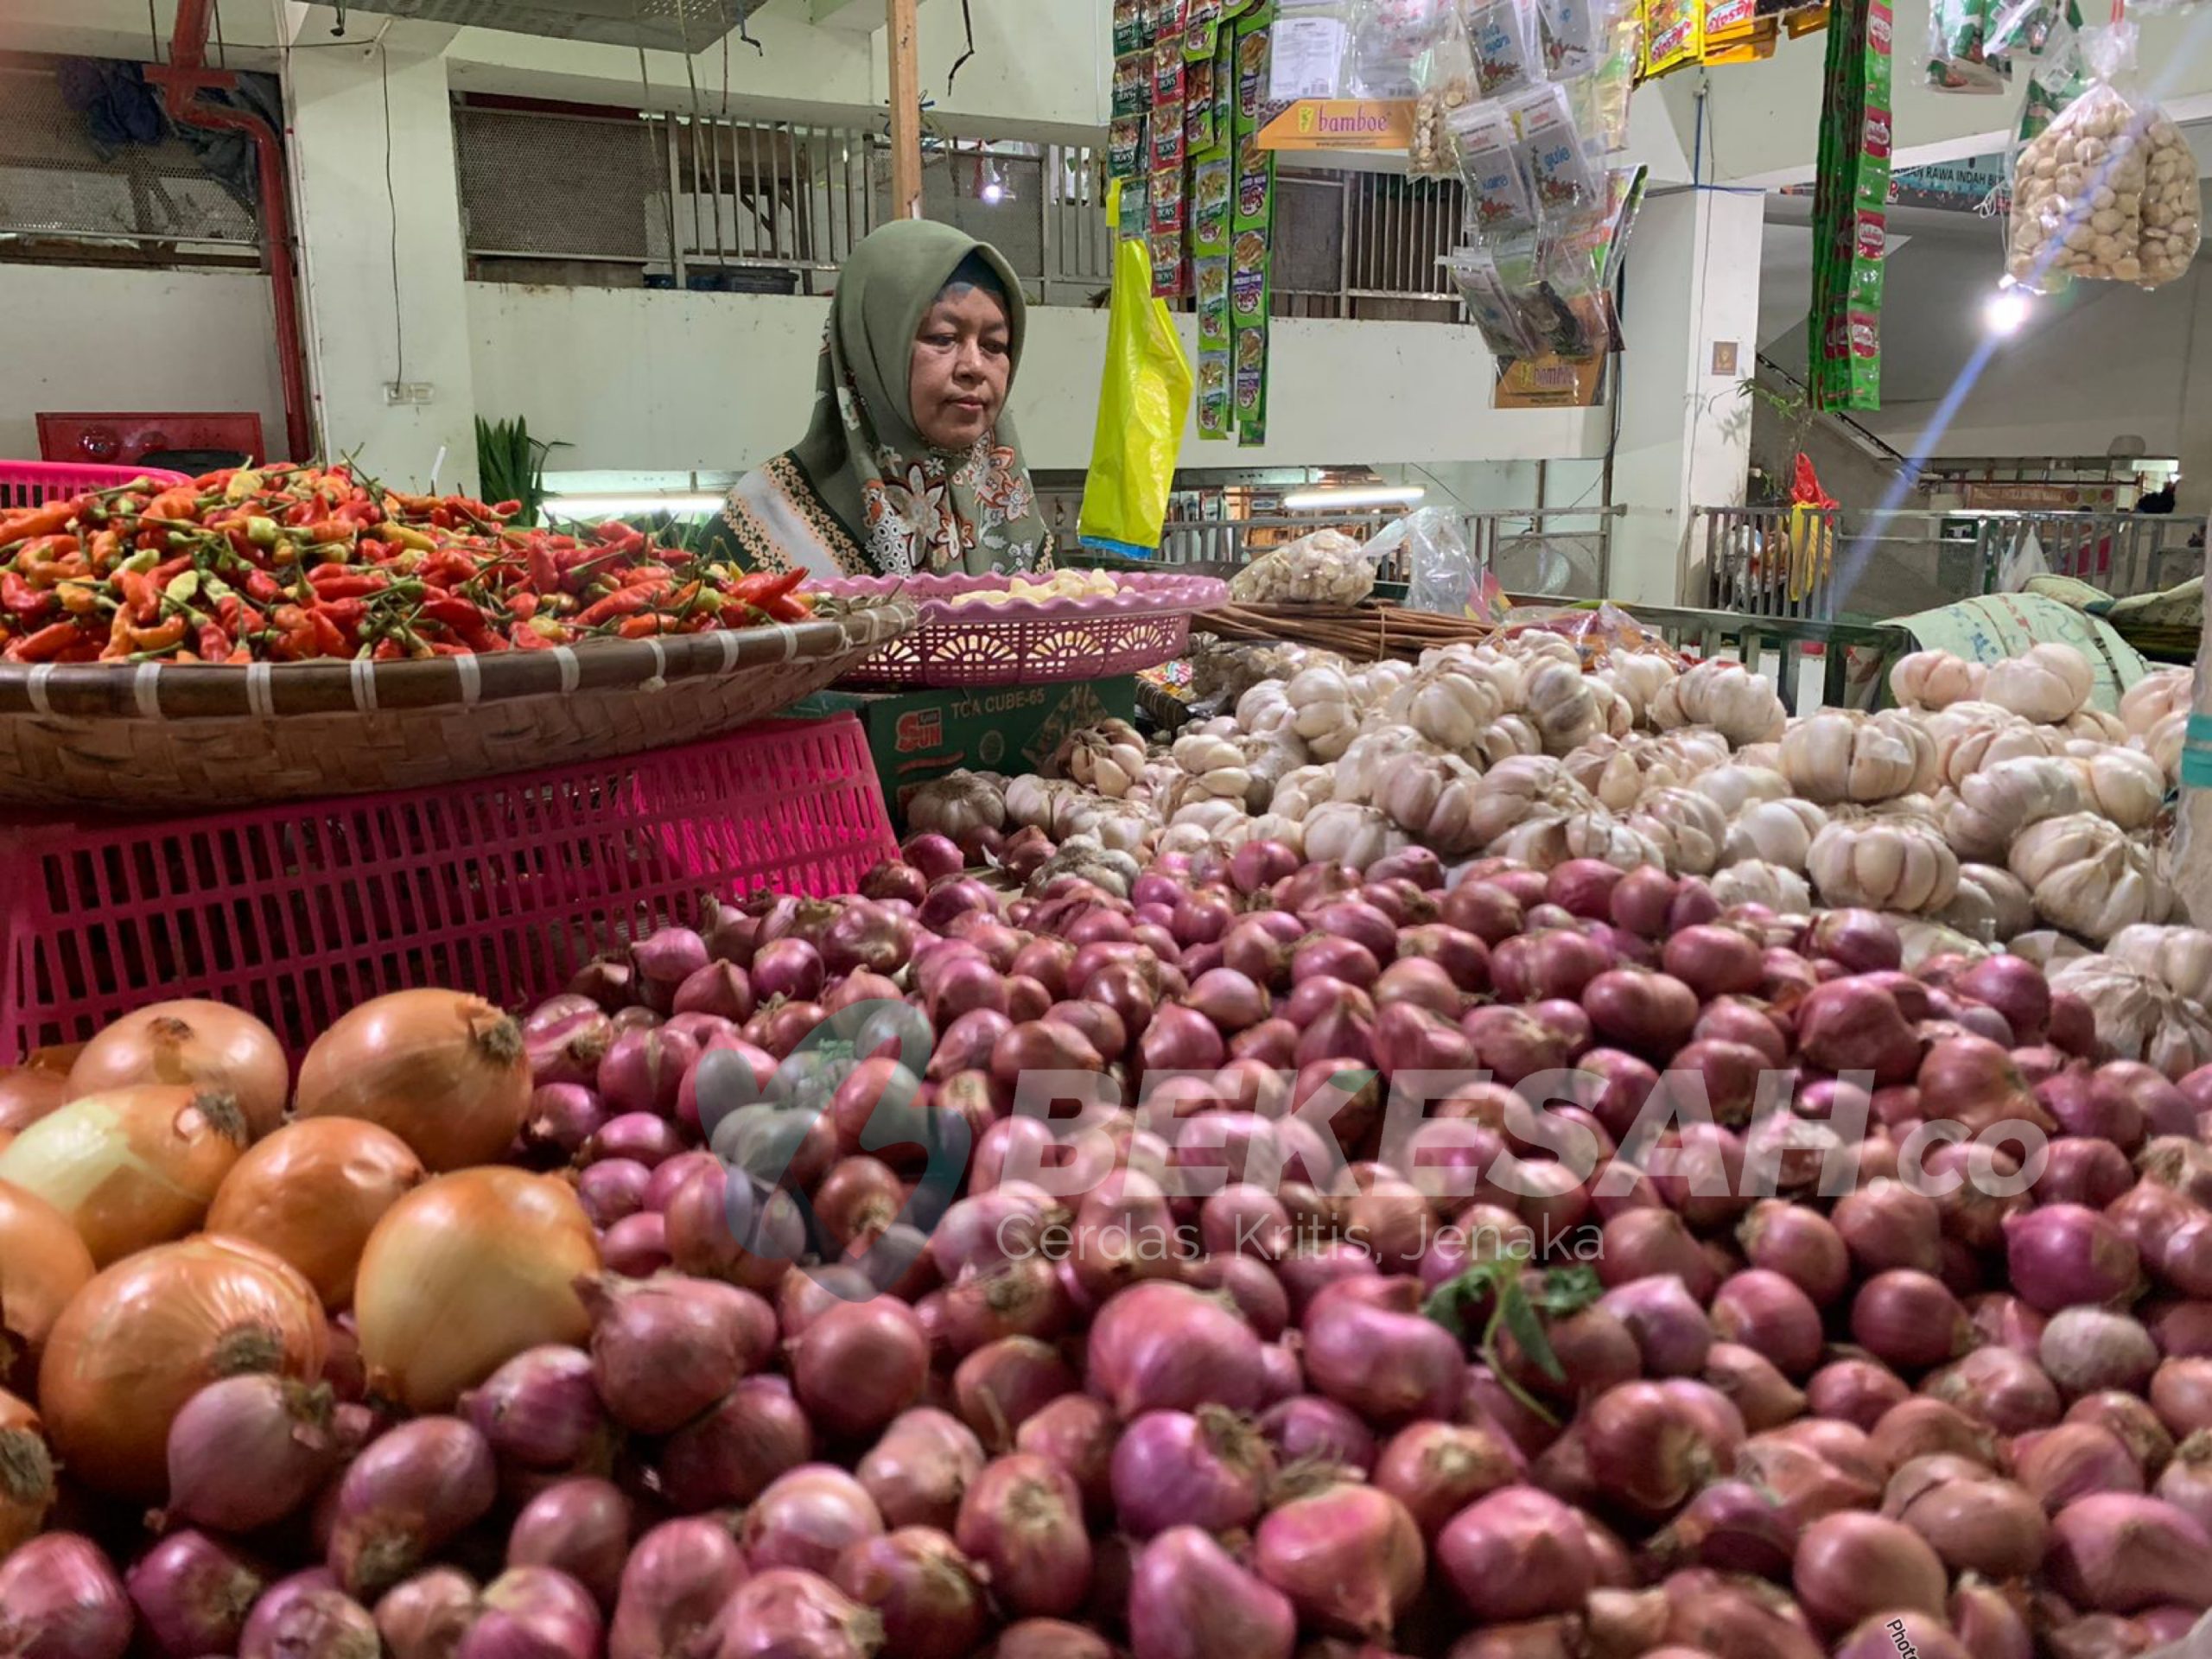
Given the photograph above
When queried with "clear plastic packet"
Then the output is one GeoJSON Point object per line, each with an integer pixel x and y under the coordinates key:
{"type": "Point", "coordinates": [1549, 147]}
{"type": "Point", "coordinates": [1498, 198]}
{"type": "Point", "coordinates": [1388, 39]}
{"type": "Point", "coordinates": [2108, 191]}
{"type": "Point", "coordinates": [1502, 36]}
{"type": "Point", "coordinates": [1445, 79]}
{"type": "Point", "coordinates": [1490, 308]}
{"type": "Point", "coordinates": [1439, 561]}
{"type": "Point", "coordinates": [1571, 35]}
{"type": "Point", "coordinates": [1309, 43]}
{"type": "Point", "coordinates": [1961, 57]}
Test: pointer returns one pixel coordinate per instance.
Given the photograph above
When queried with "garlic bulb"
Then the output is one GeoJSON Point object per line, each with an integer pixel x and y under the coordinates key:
{"type": "Point", "coordinates": [1377, 682]}
{"type": "Point", "coordinates": [1692, 750]}
{"type": "Point", "coordinates": [1744, 706]}
{"type": "Point", "coordinates": [1639, 676]}
{"type": "Point", "coordinates": [1735, 786]}
{"type": "Point", "coordinates": [2126, 785]}
{"type": "Point", "coordinates": [1505, 737]}
{"type": "Point", "coordinates": [1924, 937]}
{"type": "Point", "coordinates": [1965, 748]}
{"type": "Point", "coordinates": [1360, 770]}
{"type": "Point", "coordinates": [2088, 876]}
{"type": "Point", "coordinates": [1611, 770]}
{"type": "Point", "coordinates": [1449, 706]}
{"type": "Point", "coordinates": [1108, 757]}
{"type": "Point", "coordinates": [1432, 797]}
{"type": "Point", "coordinates": [1326, 568]}
{"type": "Point", "coordinates": [2096, 724]}
{"type": "Point", "coordinates": [1302, 790]}
{"type": "Point", "coordinates": [2163, 743]}
{"type": "Point", "coordinates": [957, 802]}
{"type": "Point", "coordinates": [1995, 803]}
{"type": "Point", "coordinates": [2161, 693]}
{"type": "Point", "coordinates": [2138, 1017]}
{"type": "Point", "coordinates": [1548, 839]}
{"type": "Point", "coordinates": [1882, 863]}
{"type": "Point", "coordinates": [2044, 683]}
{"type": "Point", "coordinates": [1753, 883]}
{"type": "Point", "coordinates": [1686, 828]}
{"type": "Point", "coordinates": [1839, 755]}
{"type": "Point", "coordinates": [1992, 905]}
{"type": "Point", "coordinates": [1324, 713]}
{"type": "Point", "coordinates": [1563, 704]}
{"type": "Point", "coordinates": [1344, 832]}
{"type": "Point", "coordinates": [1934, 679]}
{"type": "Point", "coordinates": [1214, 814]}
{"type": "Point", "coordinates": [1772, 832]}
{"type": "Point", "coordinates": [1215, 765]}
{"type": "Point", "coordinates": [1520, 787]}
{"type": "Point", "coordinates": [1269, 757]}
{"type": "Point", "coordinates": [1768, 755]}
{"type": "Point", "coordinates": [2178, 958]}
{"type": "Point", "coordinates": [1267, 826]}
{"type": "Point", "coordinates": [1265, 708]}
{"type": "Point", "coordinates": [1619, 714]}
{"type": "Point", "coordinates": [1125, 828]}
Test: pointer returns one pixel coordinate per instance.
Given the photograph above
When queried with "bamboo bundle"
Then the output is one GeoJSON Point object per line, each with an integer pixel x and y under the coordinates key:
{"type": "Point", "coordinates": [1365, 632]}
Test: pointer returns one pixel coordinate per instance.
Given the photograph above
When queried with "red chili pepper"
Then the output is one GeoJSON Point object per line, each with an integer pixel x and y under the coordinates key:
{"type": "Point", "coordinates": [643, 627]}
{"type": "Point", "coordinates": [48, 520]}
{"type": "Point", "coordinates": [29, 603]}
{"type": "Point", "coordinates": [263, 587]}
{"type": "Point", "coordinates": [336, 582]}
{"type": "Point", "coordinates": [44, 646]}
{"type": "Point", "coordinates": [332, 530]}
{"type": "Point", "coordinates": [142, 600]}
{"type": "Point", "coordinates": [644, 575]}
{"type": "Point", "coordinates": [522, 603]}
{"type": "Point", "coordinates": [175, 504]}
{"type": "Point", "coordinates": [787, 607]}
{"type": "Point", "coordinates": [523, 637]}
{"type": "Point", "coordinates": [327, 639]}
{"type": "Point", "coordinates": [214, 642]}
{"type": "Point", "coordinates": [544, 574]}
{"type": "Point", "coordinates": [626, 601]}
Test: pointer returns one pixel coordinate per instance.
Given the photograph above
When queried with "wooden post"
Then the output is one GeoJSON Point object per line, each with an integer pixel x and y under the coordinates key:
{"type": "Point", "coordinates": [906, 112]}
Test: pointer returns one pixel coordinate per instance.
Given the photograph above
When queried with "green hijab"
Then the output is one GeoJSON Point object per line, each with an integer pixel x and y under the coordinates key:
{"type": "Point", "coordinates": [899, 507]}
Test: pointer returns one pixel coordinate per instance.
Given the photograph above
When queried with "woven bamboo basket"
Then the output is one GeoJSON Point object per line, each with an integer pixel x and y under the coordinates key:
{"type": "Point", "coordinates": [153, 738]}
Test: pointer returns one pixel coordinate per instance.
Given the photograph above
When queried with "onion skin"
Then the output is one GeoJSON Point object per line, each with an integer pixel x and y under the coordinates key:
{"type": "Point", "coordinates": [1850, 1566]}
{"type": "Point", "coordinates": [859, 1365]}
{"type": "Point", "coordinates": [582, 1527]}
{"type": "Point", "coordinates": [1350, 1558]}
{"type": "Point", "coordinates": [674, 1586]}
{"type": "Point", "coordinates": [1368, 1346]}
{"type": "Point", "coordinates": [245, 1452]}
{"type": "Point", "coordinates": [426, 1617]}
{"type": "Point", "coordinates": [1189, 1600]}
{"type": "Point", "coordinates": [312, 1192]}
{"type": "Point", "coordinates": [925, 1590]}
{"type": "Point", "coordinates": [1975, 1521]}
{"type": "Point", "coordinates": [1159, 1346]}
{"type": "Point", "coordinates": [43, 1264]}
{"type": "Point", "coordinates": [200, 1044]}
{"type": "Point", "coordinates": [536, 1612]}
{"type": "Point", "coordinates": [1208, 1470]}
{"type": "Point", "coordinates": [308, 1616]}
{"type": "Point", "coordinates": [445, 1073]}
{"type": "Point", "coordinates": [1022, 1521]}
{"type": "Point", "coordinates": [788, 1614]}
{"type": "Point", "coordinates": [192, 1594]}
{"type": "Point", "coordinates": [2064, 1255]}
{"type": "Point", "coordinates": [1515, 1554]}
{"type": "Point", "coordinates": [2115, 1553]}
{"type": "Point", "coordinates": [806, 1518]}
{"type": "Point", "coordinates": [1910, 1319]}
{"type": "Point", "coordinates": [410, 1492]}
{"type": "Point", "coordinates": [756, 1436]}
{"type": "Point", "coordinates": [665, 1350]}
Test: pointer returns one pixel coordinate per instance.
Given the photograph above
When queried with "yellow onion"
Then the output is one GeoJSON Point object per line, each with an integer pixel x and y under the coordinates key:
{"type": "Point", "coordinates": [312, 1192]}
{"type": "Point", "coordinates": [147, 1334]}
{"type": "Point", "coordinates": [28, 1093]}
{"type": "Point", "coordinates": [132, 1168]}
{"type": "Point", "coordinates": [445, 1071]}
{"type": "Point", "coordinates": [466, 1272]}
{"type": "Point", "coordinates": [200, 1044]}
{"type": "Point", "coordinates": [42, 1264]}
{"type": "Point", "coordinates": [26, 1473]}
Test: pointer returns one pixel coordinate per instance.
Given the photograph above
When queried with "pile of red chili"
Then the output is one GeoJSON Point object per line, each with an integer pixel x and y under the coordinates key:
{"type": "Point", "coordinates": [287, 563]}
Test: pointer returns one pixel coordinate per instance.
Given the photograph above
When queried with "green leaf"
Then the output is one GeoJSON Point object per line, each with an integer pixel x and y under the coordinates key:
{"type": "Point", "coordinates": [1565, 1291]}
{"type": "Point", "coordinates": [1520, 1317]}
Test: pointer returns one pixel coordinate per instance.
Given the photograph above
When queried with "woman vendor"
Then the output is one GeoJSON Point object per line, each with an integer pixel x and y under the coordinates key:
{"type": "Point", "coordinates": [911, 465]}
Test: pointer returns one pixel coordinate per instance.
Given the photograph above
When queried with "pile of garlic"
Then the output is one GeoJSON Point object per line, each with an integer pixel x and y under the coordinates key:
{"type": "Point", "coordinates": [1327, 567]}
{"type": "Point", "coordinates": [2107, 190]}
{"type": "Point", "coordinates": [1022, 590]}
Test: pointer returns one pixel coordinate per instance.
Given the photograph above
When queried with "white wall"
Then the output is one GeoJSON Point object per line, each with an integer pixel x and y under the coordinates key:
{"type": "Point", "coordinates": [670, 381]}
{"type": "Point", "coordinates": [89, 339]}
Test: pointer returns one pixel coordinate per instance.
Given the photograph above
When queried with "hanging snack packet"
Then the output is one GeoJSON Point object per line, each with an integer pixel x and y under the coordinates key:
{"type": "Point", "coordinates": [1168, 218]}
{"type": "Point", "coordinates": [2107, 190]}
{"type": "Point", "coordinates": [1572, 37]}
{"type": "Point", "coordinates": [1501, 34]}
{"type": "Point", "coordinates": [1960, 57]}
{"type": "Point", "coordinates": [1252, 71]}
{"type": "Point", "coordinates": [1198, 134]}
{"type": "Point", "coordinates": [1125, 148]}
{"type": "Point", "coordinates": [1388, 40]}
{"type": "Point", "coordinates": [1252, 381]}
{"type": "Point", "coordinates": [1445, 77]}
{"type": "Point", "coordinates": [1132, 85]}
{"type": "Point", "coordinates": [1308, 44]}
{"type": "Point", "coordinates": [1674, 35]}
{"type": "Point", "coordinates": [1128, 27]}
{"type": "Point", "coordinates": [1216, 389]}
{"type": "Point", "coordinates": [1201, 28]}
{"type": "Point", "coordinates": [1224, 92]}
{"type": "Point", "coordinates": [1499, 202]}
{"type": "Point", "coordinates": [1550, 154]}
{"type": "Point", "coordinates": [1168, 71]}
{"type": "Point", "coordinates": [1167, 150]}
{"type": "Point", "coordinates": [1475, 274]}
{"type": "Point", "coordinates": [1213, 201]}
{"type": "Point", "coordinates": [1732, 32]}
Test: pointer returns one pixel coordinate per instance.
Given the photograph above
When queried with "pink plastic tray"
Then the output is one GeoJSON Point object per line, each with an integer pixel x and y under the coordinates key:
{"type": "Point", "coordinates": [27, 483]}
{"type": "Point", "coordinates": [1146, 623]}
{"type": "Point", "coordinates": [506, 886]}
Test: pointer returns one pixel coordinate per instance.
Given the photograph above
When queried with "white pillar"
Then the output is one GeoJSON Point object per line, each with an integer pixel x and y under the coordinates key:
{"type": "Point", "coordinates": [1685, 424]}
{"type": "Point", "coordinates": [368, 328]}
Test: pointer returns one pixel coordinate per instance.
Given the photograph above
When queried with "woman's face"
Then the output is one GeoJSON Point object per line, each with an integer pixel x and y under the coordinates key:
{"type": "Point", "coordinates": [962, 365]}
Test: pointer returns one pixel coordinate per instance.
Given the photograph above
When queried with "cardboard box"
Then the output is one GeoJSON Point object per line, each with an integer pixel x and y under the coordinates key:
{"type": "Point", "coordinates": [915, 736]}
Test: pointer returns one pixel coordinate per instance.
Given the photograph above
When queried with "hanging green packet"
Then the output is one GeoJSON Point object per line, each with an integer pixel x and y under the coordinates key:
{"type": "Point", "coordinates": [1213, 203]}
{"type": "Point", "coordinates": [1128, 28]}
{"type": "Point", "coordinates": [1252, 235]}
{"type": "Point", "coordinates": [1224, 92]}
{"type": "Point", "coordinates": [1199, 134]}
{"type": "Point", "coordinates": [1862, 380]}
{"type": "Point", "coordinates": [1201, 28]}
{"type": "Point", "coordinates": [1132, 84]}
{"type": "Point", "coordinates": [1126, 155]}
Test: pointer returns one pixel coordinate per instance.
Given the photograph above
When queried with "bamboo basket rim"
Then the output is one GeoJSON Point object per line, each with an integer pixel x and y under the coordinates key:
{"type": "Point", "coordinates": [264, 691]}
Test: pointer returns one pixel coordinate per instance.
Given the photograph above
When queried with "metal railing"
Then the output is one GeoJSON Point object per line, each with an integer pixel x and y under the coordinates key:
{"type": "Point", "coordinates": [1743, 559]}
{"type": "Point", "coordinates": [1563, 552]}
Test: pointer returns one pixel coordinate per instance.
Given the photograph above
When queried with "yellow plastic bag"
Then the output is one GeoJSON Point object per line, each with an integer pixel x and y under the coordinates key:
{"type": "Point", "coordinates": [1812, 549]}
{"type": "Point", "coordinates": [1143, 405]}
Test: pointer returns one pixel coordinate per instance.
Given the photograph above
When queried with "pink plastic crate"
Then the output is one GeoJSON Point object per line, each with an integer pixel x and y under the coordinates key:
{"type": "Point", "coordinates": [302, 911]}
{"type": "Point", "coordinates": [27, 483]}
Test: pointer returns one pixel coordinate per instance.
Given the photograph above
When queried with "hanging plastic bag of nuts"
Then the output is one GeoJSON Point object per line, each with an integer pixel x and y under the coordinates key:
{"type": "Point", "coordinates": [2108, 190]}
{"type": "Point", "coordinates": [1445, 77]}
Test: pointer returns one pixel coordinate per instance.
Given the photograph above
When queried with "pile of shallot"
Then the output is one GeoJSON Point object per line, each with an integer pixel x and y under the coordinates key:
{"type": "Point", "coordinates": [1277, 1259]}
